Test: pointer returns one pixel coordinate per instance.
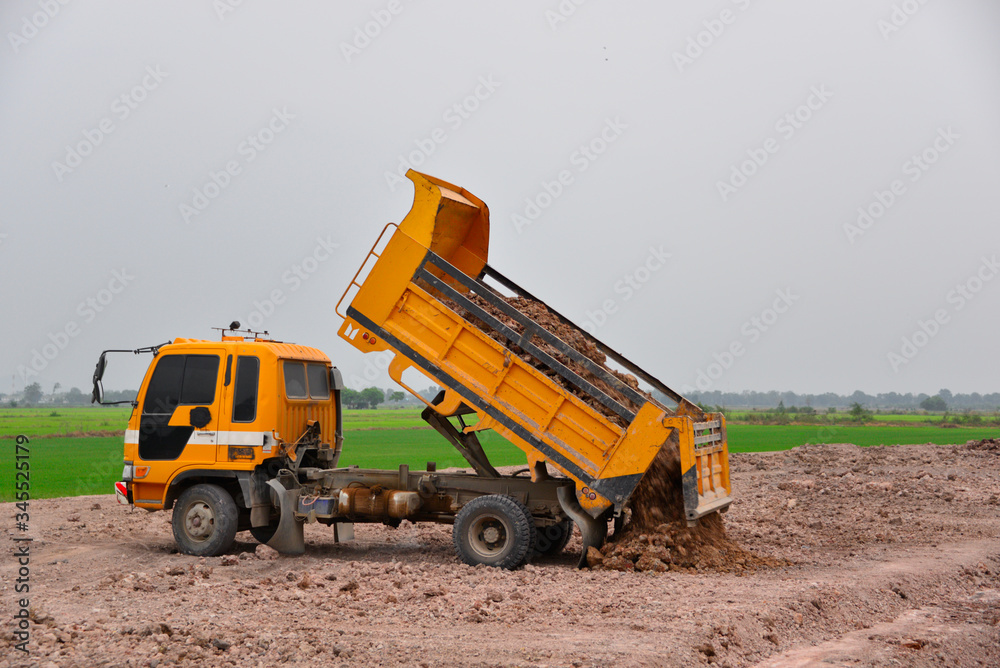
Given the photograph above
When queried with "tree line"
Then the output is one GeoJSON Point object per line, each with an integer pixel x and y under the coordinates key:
{"type": "Point", "coordinates": [940, 401]}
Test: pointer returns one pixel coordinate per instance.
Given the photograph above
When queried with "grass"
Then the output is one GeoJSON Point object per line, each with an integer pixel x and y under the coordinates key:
{"type": "Point", "coordinates": [415, 447]}
{"type": "Point", "coordinates": [975, 419]}
{"type": "Point", "coordinates": [66, 466]}
{"type": "Point", "coordinates": [59, 420]}
{"type": "Point", "coordinates": [73, 466]}
{"type": "Point", "coordinates": [762, 438]}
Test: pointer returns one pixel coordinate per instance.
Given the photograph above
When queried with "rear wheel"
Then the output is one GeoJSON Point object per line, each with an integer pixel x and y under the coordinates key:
{"type": "Point", "coordinates": [553, 538]}
{"type": "Point", "coordinates": [495, 530]}
{"type": "Point", "coordinates": [264, 533]}
{"type": "Point", "coordinates": [205, 520]}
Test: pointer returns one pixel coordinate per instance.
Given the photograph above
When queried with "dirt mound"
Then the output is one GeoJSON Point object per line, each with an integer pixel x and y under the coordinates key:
{"type": "Point", "coordinates": [657, 538]}
{"type": "Point", "coordinates": [672, 546]}
{"type": "Point", "coordinates": [987, 444]}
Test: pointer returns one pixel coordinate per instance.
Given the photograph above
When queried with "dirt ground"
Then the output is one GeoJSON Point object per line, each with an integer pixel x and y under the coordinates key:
{"type": "Point", "coordinates": [884, 556]}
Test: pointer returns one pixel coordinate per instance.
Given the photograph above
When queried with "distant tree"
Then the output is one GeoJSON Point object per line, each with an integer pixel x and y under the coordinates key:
{"type": "Point", "coordinates": [859, 413]}
{"type": "Point", "coordinates": [934, 404]}
{"type": "Point", "coordinates": [372, 396]}
{"type": "Point", "coordinates": [32, 394]}
{"type": "Point", "coordinates": [351, 398]}
{"type": "Point", "coordinates": [396, 396]}
{"type": "Point", "coordinates": [55, 387]}
{"type": "Point", "coordinates": [75, 396]}
{"type": "Point", "coordinates": [946, 395]}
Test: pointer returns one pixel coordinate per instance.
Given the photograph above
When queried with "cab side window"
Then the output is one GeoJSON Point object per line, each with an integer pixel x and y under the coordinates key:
{"type": "Point", "coordinates": [319, 381]}
{"type": "Point", "coordinates": [200, 375]}
{"type": "Point", "coordinates": [245, 397]}
{"type": "Point", "coordinates": [295, 380]}
{"type": "Point", "coordinates": [177, 380]}
{"type": "Point", "coordinates": [306, 381]}
{"type": "Point", "coordinates": [164, 391]}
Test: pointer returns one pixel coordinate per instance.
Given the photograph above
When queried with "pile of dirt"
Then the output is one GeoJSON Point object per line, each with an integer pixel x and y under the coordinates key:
{"type": "Point", "coordinates": [987, 444]}
{"type": "Point", "coordinates": [656, 537]}
{"type": "Point", "coordinates": [672, 546]}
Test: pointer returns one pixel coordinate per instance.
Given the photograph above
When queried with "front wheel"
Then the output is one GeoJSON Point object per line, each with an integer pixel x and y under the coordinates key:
{"type": "Point", "coordinates": [495, 530]}
{"type": "Point", "coordinates": [205, 520]}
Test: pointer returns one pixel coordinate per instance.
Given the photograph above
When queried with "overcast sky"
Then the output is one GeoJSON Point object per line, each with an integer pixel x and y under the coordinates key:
{"type": "Point", "coordinates": [736, 195]}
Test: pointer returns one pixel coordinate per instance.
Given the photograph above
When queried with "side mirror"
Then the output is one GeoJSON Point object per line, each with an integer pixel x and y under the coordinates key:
{"type": "Point", "coordinates": [97, 396]}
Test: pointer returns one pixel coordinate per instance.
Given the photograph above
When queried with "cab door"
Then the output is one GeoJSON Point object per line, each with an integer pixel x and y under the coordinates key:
{"type": "Point", "coordinates": [181, 407]}
{"type": "Point", "coordinates": [245, 423]}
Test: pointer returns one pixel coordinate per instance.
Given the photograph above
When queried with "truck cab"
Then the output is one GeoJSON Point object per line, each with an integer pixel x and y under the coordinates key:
{"type": "Point", "coordinates": [214, 420]}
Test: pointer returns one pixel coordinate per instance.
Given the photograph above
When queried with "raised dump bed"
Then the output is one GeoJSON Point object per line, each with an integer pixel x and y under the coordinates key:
{"type": "Point", "coordinates": [424, 286]}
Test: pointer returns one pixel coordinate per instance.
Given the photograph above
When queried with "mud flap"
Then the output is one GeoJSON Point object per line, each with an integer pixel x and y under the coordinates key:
{"type": "Point", "coordinates": [288, 539]}
{"type": "Point", "coordinates": [594, 532]}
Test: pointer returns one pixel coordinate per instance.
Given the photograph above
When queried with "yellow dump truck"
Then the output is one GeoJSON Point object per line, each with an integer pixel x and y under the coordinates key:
{"type": "Point", "coordinates": [245, 433]}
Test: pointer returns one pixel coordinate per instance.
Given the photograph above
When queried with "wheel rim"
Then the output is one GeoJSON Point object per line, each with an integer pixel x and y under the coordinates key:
{"type": "Point", "coordinates": [199, 521]}
{"type": "Point", "coordinates": [489, 536]}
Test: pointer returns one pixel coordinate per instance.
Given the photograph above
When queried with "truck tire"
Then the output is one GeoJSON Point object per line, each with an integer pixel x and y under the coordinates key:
{"type": "Point", "coordinates": [495, 530]}
{"type": "Point", "coordinates": [205, 520]}
{"type": "Point", "coordinates": [553, 538]}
